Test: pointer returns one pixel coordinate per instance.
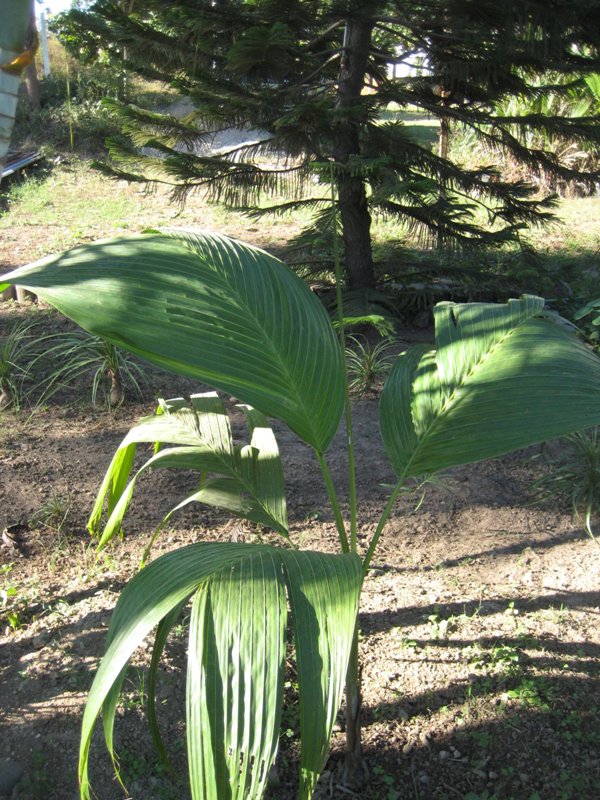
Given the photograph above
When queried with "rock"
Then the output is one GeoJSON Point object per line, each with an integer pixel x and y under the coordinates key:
{"type": "Point", "coordinates": [11, 773]}
{"type": "Point", "coordinates": [40, 640]}
{"type": "Point", "coordinates": [444, 755]}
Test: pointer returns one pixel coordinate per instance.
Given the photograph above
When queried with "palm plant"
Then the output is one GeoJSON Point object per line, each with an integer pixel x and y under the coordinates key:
{"type": "Point", "coordinates": [366, 362]}
{"type": "Point", "coordinates": [575, 479]}
{"type": "Point", "coordinates": [77, 354]}
{"type": "Point", "coordinates": [500, 377]}
{"type": "Point", "coordinates": [15, 357]}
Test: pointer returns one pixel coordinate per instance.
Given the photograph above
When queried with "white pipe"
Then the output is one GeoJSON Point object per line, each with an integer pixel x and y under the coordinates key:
{"type": "Point", "coordinates": [44, 38]}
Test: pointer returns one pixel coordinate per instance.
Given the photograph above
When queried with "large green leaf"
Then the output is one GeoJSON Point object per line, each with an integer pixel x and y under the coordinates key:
{"type": "Point", "coordinates": [251, 482]}
{"type": "Point", "coordinates": [236, 656]}
{"type": "Point", "coordinates": [210, 307]}
{"type": "Point", "coordinates": [319, 597]}
{"type": "Point", "coordinates": [501, 377]}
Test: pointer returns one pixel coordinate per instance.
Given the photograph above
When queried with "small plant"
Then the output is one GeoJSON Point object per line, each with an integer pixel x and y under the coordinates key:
{"type": "Point", "coordinates": [135, 695]}
{"type": "Point", "coordinates": [577, 480]}
{"type": "Point", "coordinates": [15, 355]}
{"type": "Point", "coordinates": [499, 659]}
{"type": "Point", "coordinates": [8, 591]}
{"type": "Point", "coordinates": [391, 793]}
{"type": "Point", "coordinates": [53, 512]}
{"type": "Point", "coordinates": [441, 627]}
{"type": "Point", "coordinates": [530, 692]}
{"type": "Point", "coordinates": [78, 355]}
{"type": "Point", "coordinates": [36, 783]}
{"type": "Point", "coordinates": [366, 362]}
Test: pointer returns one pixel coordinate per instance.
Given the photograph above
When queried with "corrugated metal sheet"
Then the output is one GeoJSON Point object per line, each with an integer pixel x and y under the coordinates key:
{"type": "Point", "coordinates": [17, 161]}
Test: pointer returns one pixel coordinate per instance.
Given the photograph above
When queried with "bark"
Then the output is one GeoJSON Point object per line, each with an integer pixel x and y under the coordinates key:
{"type": "Point", "coordinates": [116, 393]}
{"type": "Point", "coordinates": [443, 144]}
{"type": "Point", "coordinates": [32, 83]}
{"type": "Point", "coordinates": [352, 195]}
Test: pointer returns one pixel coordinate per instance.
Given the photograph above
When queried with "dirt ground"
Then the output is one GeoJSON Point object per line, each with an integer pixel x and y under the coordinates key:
{"type": "Point", "coordinates": [480, 620]}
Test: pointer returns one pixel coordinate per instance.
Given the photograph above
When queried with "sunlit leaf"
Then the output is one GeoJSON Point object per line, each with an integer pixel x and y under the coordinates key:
{"type": "Point", "coordinates": [215, 309]}
{"type": "Point", "coordinates": [236, 656]}
{"type": "Point", "coordinates": [502, 377]}
{"type": "Point", "coordinates": [250, 483]}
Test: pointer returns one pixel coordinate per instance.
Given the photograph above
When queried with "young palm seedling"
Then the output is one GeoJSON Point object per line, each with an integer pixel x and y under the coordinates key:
{"type": "Point", "coordinates": [15, 358]}
{"type": "Point", "coordinates": [75, 356]}
{"type": "Point", "coordinates": [366, 363]}
{"type": "Point", "coordinates": [500, 377]}
{"type": "Point", "coordinates": [575, 478]}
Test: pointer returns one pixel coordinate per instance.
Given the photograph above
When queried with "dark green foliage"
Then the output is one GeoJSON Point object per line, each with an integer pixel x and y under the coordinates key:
{"type": "Point", "coordinates": [312, 82]}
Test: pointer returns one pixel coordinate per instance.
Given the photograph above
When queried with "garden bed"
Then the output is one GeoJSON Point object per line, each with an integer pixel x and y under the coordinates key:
{"type": "Point", "coordinates": [479, 621]}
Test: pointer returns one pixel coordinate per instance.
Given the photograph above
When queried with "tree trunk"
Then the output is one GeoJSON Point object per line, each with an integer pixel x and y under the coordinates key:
{"type": "Point", "coordinates": [32, 85]}
{"type": "Point", "coordinates": [443, 143]}
{"type": "Point", "coordinates": [30, 73]}
{"type": "Point", "coordinates": [352, 195]}
{"type": "Point", "coordinates": [356, 233]}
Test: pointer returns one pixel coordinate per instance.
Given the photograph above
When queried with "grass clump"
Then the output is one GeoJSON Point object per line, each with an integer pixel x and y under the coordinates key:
{"type": "Point", "coordinates": [576, 480]}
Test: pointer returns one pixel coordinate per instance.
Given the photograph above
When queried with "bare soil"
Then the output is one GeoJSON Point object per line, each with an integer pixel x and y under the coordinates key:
{"type": "Point", "coordinates": [480, 620]}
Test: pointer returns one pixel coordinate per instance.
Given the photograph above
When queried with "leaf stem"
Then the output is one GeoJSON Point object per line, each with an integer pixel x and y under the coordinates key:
{"type": "Point", "coordinates": [342, 336]}
{"type": "Point", "coordinates": [382, 523]}
{"type": "Point", "coordinates": [335, 505]}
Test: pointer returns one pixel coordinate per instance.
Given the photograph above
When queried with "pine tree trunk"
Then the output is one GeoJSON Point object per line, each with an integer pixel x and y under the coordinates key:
{"type": "Point", "coordinates": [356, 233]}
{"type": "Point", "coordinates": [352, 196]}
{"type": "Point", "coordinates": [443, 144]}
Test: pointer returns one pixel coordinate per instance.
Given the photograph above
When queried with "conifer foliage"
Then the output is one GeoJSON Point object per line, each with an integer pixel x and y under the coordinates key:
{"type": "Point", "coordinates": [312, 84]}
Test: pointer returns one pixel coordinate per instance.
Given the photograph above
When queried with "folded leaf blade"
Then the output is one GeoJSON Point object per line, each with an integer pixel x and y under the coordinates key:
{"type": "Point", "coordinates": [236, 655]}
{"type": "Point", "coordinates": [250, 483]}
{"type": "Point", "coordinates": [235, 678]}
{"type": "Point", "coordinates": [503, 378]}
{"type": "Point", "coordinates": [324, 595]}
